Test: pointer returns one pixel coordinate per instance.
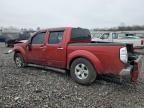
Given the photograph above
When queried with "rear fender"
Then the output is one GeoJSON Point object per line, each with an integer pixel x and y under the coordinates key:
{"type": "Point", "coordinates": [89, 56]}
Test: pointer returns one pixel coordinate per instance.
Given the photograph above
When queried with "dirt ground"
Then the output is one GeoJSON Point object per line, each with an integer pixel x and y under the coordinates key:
{"type": "Point", "coordinates": [38, 88]}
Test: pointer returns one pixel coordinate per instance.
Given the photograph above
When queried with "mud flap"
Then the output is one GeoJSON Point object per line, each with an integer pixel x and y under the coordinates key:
{"type": "Point", "coordinates": [136, 70]}
{"type": "Point", "coordinates": [135, 73]}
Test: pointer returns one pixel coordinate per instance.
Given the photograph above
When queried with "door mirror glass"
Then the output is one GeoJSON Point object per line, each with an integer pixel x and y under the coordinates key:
{"type": "Point", "coordinates": [29, 44]}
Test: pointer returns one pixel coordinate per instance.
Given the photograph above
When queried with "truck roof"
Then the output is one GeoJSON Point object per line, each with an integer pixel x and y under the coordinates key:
{"type": "Point", "coordinates": [57, 29]}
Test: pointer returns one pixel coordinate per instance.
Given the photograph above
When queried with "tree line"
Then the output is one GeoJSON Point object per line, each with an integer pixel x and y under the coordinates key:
{"type": "Point", "coordinates": [121, 28]}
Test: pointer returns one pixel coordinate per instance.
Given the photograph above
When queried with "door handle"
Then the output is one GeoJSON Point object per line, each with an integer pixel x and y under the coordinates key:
{"type": "Point", "coordinates": [60, 48]}
{"type": "Point", "coordinates": [41, 46]}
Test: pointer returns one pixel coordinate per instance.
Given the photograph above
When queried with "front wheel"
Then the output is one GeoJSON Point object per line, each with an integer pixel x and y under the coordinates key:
{"type": "Point", "coordinates": [19, 61]}
{"type": "Point", "coordinates": [82, 71]}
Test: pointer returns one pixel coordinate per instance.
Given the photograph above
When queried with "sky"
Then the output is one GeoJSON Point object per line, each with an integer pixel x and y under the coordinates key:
{"type": "Point", "coordinates": [75, 13]}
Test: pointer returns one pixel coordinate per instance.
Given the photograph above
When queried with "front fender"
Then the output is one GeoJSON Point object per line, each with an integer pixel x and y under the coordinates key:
{"type": "Point", "coordinates": [88, 55]}
{"type": "Point", "coordinates": [20, 50]}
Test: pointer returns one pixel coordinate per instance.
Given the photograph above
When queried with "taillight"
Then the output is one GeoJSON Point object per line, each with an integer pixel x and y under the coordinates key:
{"type": "Point", "coordinates": [124, 55]}
{"type": "Point", "coordinates": [142, 42]}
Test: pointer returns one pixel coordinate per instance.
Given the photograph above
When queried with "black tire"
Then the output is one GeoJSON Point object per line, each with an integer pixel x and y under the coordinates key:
{"type": "Point", "coordinates": [19, 60]}
{"type": "Point", "coordinates": [82, 71]}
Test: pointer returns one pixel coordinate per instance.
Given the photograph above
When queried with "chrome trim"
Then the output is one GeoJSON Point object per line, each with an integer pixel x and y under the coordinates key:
{"type": "Point", "coordinates": [60, 48]}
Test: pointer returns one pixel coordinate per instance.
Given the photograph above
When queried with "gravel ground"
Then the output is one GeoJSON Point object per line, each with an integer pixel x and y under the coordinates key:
{"type": "Point", "coordinates": [38, 88]}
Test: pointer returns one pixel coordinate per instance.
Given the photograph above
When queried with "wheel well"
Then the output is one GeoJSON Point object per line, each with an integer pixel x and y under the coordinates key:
{"type": "Point", "coordinates": [16, 53]}
{"type": "Point", "coordinates": [73, 60]}
{"type": "Point", "coordinates": [83, 58]}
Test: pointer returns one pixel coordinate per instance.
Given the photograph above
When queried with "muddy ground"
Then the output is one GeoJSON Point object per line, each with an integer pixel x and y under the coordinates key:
{"type": "Point", "coordinates": [38, 88]}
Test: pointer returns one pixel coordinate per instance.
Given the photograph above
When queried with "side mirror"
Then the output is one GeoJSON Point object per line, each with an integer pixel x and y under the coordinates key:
{"type": "Point", "coordinates": [29, 45]}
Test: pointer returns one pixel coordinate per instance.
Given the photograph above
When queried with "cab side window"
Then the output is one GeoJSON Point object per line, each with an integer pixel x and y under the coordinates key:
{"type": "Point", "coordinates": [55, 37]}
{"type": "Point", "coordinates": [105, 36]}
{"type": "Point", "coordinates": [115, 36]}
{"type": "Point", "coordinates": [38, 38]}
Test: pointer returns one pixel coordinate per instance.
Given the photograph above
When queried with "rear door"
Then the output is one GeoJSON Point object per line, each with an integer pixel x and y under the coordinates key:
{"type": "Point", "coordinates": [38, 47]}
{"type": "Point", "coordinates": [56, 50]}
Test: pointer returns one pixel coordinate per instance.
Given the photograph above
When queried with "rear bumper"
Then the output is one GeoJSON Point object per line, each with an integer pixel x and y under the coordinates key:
{"type": "Point", "coordinates": [132, 71]}
{"type": "Point", "coordinates": [126, 71]}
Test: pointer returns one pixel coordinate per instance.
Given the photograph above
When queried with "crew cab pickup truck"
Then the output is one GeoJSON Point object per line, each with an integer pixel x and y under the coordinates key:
{"type": "Point", "coordinates": [71, 49]}
{"type": "Point", "coordinates": [120, 37]}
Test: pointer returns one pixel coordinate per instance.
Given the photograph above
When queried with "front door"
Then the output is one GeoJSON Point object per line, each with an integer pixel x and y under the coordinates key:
{"type": "Point", "coordinates": [35, 54]}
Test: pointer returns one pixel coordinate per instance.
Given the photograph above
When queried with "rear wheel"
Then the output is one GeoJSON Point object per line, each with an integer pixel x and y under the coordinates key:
{"type": "Point", "coordinates": [82, 71]}
{"type": "Point", "coordinates": [19, 60]}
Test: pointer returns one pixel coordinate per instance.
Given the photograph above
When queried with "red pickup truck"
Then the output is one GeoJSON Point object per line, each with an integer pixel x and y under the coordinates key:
{"type": "Point", "coordinates": [71, 49]}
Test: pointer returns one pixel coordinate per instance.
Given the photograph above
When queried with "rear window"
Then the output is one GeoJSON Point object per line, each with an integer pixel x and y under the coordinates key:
{"type": "Point", "coordinates": [80, 34]}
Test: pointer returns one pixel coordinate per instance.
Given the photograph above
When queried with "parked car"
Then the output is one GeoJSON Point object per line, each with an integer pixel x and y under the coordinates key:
{"type": "Point", "coordinates": [12, 39]}
{"type": "Point", "coordinates": [120, 37]}
{"type": "Point", "coordinates": [71, 49]}
{"type": "Point", "coordinates": [2, 38]}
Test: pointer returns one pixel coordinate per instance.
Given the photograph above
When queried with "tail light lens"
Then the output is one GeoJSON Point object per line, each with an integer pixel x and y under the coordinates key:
{"type": "Point", "coordinates": [124, 55]}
